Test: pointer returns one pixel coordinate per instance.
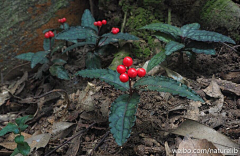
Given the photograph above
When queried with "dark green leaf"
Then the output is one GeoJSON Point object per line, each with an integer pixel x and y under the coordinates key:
{"type": "Point", "coordinates": [122, 117]}
{"type": "Point", "coordinates": [74, 33]}
{"type": "Point", "coordinates": [208, 36]}
{"type": "Point", "coordinates": [59, 61]}
{"type": "Point", "coordinates": [104, 41]}
{"type": "Point", "coordinates": [107, 50]}
{"type": "Point", "coordinates": [15, 152]}
{"type": "Point", "coordinates": [55, 49]}
{"type": "Point", "coordinates": [189, 27]}
{"type": "Point", "coordinates": [59, 71]}
{"type": "Point", "coordinates": [19, 139]}
{"type": "Point", "coordinates": [164, 84]}
{"type": "Point", "coordinates": [93, 61]}
{"type": "Point", "coordinates": [64, 26]}
{"type": "Point", "coordinates": [173, 46]}
{"type": "Point", "coordinates": [24, 148]}
{"type": "Point", "coordinates": [11, 127]}
{"type": "Point", "coordinates": [165, 28]}
{"type": "Point", "coordinates": [46, 44]}
{"type": "Point", "coordinates": [22, 120]}
{"type": "Point", "coordinates": [201, 47]}
{"type": "Point", "coordinates": [26, 56]}
{"type": "Point", "coordinates": [164, 37]}
{"type": "Point", "coordinates": [122, 36]}
{"type": "Point", "coordinates": [38, 57]}
{"type": "Point", "coordinates": [107, 75]}
{"type": "Point", "coordinates": [77, 45]}
{"type": "Point", "coordinates": [88, 20]}
{"type": "Point", "coordinates": [156, 60]}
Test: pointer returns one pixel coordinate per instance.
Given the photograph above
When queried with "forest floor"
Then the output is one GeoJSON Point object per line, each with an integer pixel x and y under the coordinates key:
{"type": "Point", "coordinates": [157, 130]}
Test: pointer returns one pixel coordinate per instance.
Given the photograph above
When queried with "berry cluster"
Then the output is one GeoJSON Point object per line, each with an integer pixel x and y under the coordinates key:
{"type": "Point", "coordinates": [49, 34]}
{"type": "Point", "coordinates": [115, 30]}
{"type": "Point", "coordinates": [132, 72]}
{"type": "Point", "coordinates": [63, 20]}
{"type": "Point", "coordinates": [100, 23]}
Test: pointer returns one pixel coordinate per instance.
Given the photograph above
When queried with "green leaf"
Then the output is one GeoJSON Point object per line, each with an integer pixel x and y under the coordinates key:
{"type": "Point", "coordinates": [173, 46]}
{"type": "Point", "coordinates": [15, 152]}
{"type": "Point", "coordinates": [156, 60]}
{"type": "Point", "coordinates": [55, 49]}
{"type": "Point", "coordinates": [164, 37]}
{"type": "Point", "coordinates": [202, 35]}
{"type": "Point", "coordinates": [78, 45]}
{"type": "Point", "coordinates": [26, 56]}
{"type": "Point", "coordinates": [201, 47]}
{"type": "Point", "coordinates": [189, 27]}
{"type": "Point", "coordinates": [38, 57]}
{"type": "Point", "coordinates": [24, 148]}
{"type": "Point", "coordinates": [59, 61]}
{"type": "Point", "coordinates": [19, 139]}
{"type": "Point", "coordinates": [64, 26]}
{"type": "Point", "coordinates": [93, 61]}
{"type": "Point", "coordinates": [74, 33]}
{"type": "Point", "coordinates": [107, 50]}
{"type": "Point", "coordinates": [122, 36]}
{"type": "Point", "coordinates": [122, 116]}
{"type": "Point", "coordinates": [165, 28]}
{"type": "Point", "coordinates": [11, 127]}
{"type": "Point", "coordinates": [59, 71]}
{"type": "Point", "coordinates": [104, 41]}
{"type": "Point", "coordinates": [109, 76]}
{"type": "Point", "coordinates": [88, 20]}
{"type": "Point", "coordinates": [46, 44]}
{"type": "Point", "coordinates": [164, 84]}
{"type": "Point", "coordinates": [22, 120]}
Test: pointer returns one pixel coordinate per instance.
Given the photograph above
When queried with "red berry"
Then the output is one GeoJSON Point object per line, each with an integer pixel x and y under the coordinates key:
{"type": "Point", "coordinates": [127, 61]}
{"type": "Point", "coordinates": [117, 29]}
{"type": "Point", "coordinates": [114, 31]}
{"type": "Point", "coordinates": [47, 35]}
{"type": "Point", "coordinates": [59, 20]}
{"type": "Point", "coordinates": [121, 69]}
{"type": "Point", "coordinates": [124, 77]}
{"type": "Point", "coordinates": [99, 23]}
{"type": "Point", "coordinates": [141, 72]}
{"type": "Point", "coordinates": [64, 20]}
{"type": "Point", "coordinates": [104, 22]}
{"type": "Point", "coordinates": [51, 34]}
{"type": "Point", "coordinates": [132, 72]}
{"type": "Point", "coordinates": [95, 23]}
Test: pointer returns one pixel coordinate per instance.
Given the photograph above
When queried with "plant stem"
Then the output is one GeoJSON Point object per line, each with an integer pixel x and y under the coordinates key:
{"type": "Point", "coordinates": [130, 86]}
{"type": "Point", "coordinates": [50, 43]}
{"type": "Point", "coordinates": [124, 21]}
{"type": "Point", "coordinates": [169, 15]}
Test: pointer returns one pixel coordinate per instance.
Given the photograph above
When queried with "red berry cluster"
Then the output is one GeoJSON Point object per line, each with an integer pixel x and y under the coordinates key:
{"type": "Point", "coordinates": [63, 20]}
{"type": "Point", "coordinates": [49, 34]}
{"type": "Point", "coordinates": [115, 30]}
{"type": "Point", "coordinates": [132, 72]}
{"type": "Point", "coordinates": [100, 23]}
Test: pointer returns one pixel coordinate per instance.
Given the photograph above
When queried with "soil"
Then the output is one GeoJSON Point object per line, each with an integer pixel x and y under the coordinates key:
{"type": "Point", "coordinates": [157, 113]}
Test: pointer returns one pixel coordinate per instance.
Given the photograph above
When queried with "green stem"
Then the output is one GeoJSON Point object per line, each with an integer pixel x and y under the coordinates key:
{"type": "Point", "coordinates": [130, 86]}
{"type": "Point", "coordinates": [169, 15]}
{"type": "Point", "coordinates": [124, 21]}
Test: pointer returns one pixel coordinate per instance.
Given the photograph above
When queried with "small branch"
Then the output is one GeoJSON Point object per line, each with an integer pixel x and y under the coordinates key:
{"type": "Point", "coordinates": [104, 137]}
{"type": "Point", "coordinates": [82, 131]}
{"type": "Point", "coordinates": [124, 21]}
{"type": "Point", "coordinates": [229, 46]}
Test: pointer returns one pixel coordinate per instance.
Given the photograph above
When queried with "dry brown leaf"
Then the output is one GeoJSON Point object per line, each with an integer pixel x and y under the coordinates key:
{"type": "Point", "coordinates": [4, 95]}
{"type": "Point", "coordinates": [38, 141]}
{"type": "Point", "coordinates": [168, 150]}
{"type": "Point", "coordinates": [199, 131]}
{"type": "Point", "coordinates": [194, 147]}
{"type": "Point", "coordinates": [213, 90]}
{"type": "Point", "coordinates": [193, 110]}
{"type": "Point", "coordinates": [223, 84]}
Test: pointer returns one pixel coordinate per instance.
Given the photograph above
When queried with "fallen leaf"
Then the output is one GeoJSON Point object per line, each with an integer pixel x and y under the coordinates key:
{"type": "Point", "coordinates": [193, 110]}
{"type": "Point", "coordinates": [196, 130]}
{"type": "Point", "coordinates": [213, 90]}
{"type": "Point", "coordinates": [4, 95]}
{"type": "Point", "coordinates": [38, 141]}
{"type": "Point", "coordinates": [194, 147]}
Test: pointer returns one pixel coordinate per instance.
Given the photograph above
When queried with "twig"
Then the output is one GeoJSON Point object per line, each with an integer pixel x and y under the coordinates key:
{"type": "Point", "coordinates": [229, 47]}
{"type": "Point", "coordinates": [101, 141]}
{"type": "Point", "coordinates": [15, 68]}
{"type": "Point", "coordinates": [124, 21]}
{"type": "Point", "coordinates": [82, 131]}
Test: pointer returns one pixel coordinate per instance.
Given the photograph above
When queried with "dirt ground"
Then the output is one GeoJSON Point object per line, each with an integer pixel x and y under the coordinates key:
{"type": "Point", "coordinates": [157, 114]}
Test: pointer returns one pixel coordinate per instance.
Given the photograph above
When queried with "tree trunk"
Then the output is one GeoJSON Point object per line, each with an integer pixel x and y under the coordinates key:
{"type": "Point", "coordinates": [22, 23]}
